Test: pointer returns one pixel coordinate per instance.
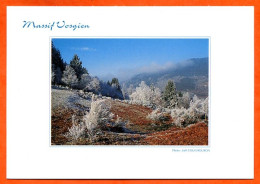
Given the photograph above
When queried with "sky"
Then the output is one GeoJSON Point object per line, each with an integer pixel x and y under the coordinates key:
{"type": "Point", "coordinates": [124, 58]}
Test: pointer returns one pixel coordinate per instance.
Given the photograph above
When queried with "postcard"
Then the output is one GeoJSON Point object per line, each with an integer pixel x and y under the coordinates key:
{"type": "Point", "coordinates": [130, 92]}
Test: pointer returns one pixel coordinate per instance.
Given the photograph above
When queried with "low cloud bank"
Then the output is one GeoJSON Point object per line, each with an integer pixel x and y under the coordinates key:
{"type": "Point", "coordinates": [124, 74]}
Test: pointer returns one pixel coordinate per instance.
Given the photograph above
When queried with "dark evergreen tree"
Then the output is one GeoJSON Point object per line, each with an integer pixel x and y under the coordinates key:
{"type": "Point", "coordinates": [115, 83]}
{"type": "Point", "coordinates": [76, 64]}
{"type": "Point", "coordinates": [58, 66]}
{"type": "Point", "coordinates": [170, 94]}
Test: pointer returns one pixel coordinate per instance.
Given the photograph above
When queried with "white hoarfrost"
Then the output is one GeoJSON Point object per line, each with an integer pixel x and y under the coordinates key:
{"type": "Point", "coordinates": [95, 119]}
{"type": "Point", "coordinates": [69, 77]}
{"type": "Point", "coordinates": [156, 115]}
{"type": "Point", "coordinates": [197, 111]}
{"type": "Point", "coordinates": [76, 130]}
{"type": "Point", "coordinates": [184, 101]}
{"type": "Point", "coordinates": [144, 95]}
{"type": "Point", "coordinates": [93, 85]}
{"type": "Point", "coordinates": [98, 115]}
{"type": "Point", "coordinates": [84, 81]}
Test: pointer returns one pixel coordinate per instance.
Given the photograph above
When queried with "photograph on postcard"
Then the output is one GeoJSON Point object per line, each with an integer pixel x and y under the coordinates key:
{"type": "Point", "coordinates": [129, 91]}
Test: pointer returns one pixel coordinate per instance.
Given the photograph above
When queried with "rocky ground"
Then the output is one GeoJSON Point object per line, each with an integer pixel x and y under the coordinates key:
{"type": "Point", "coordinates": [138, 130]}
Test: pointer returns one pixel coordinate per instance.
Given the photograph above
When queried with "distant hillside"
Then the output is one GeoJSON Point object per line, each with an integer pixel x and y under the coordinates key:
{"type": "Point", "coordinates": [190, 75]}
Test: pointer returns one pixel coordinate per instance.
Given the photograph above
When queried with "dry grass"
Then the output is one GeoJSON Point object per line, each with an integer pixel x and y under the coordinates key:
{"type": "Point", "coordinates": [196, 134]}
{"type": "Point", "coordinates": [138, 129]}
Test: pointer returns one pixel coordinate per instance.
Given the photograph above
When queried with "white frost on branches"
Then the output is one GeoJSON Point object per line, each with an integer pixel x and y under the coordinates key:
{"type": "Point", "coordinates": [98, 115]}
{"type": "Point", "coordinates": [198, 109]}
{"type": "Point", "coordinates": [69, 77]}
{"type": "Point", "coordinates": [156, 115]}
{"type": "Point", "coordinates": [184, 101]}
{"type": "Point", "coordinates": [84, 81]}
{"type": "Point", "coordinates": [76, 130]}
{"type": "Point", "coordinates": [93, 85]}
{"type": "Point", "coordinates": [144, 95]}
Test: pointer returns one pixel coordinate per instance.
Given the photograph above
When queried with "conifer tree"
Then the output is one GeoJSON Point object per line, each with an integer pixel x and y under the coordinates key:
{"type": "Point", "coordinates": [115, 83]}
{"type": "Point", "coordinates": [170, 94]}
{"type": "Point", "coordinates": [58, 66]}
{"type": "Point", "coordinates": [76, 64]}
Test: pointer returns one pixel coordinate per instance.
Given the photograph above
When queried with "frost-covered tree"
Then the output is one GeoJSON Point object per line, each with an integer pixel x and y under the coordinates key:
{"type": "Point", "coordinates": [76, 64]}
{"type": "Point", "coordinates": [170, 94]}
{"type": "Point", "coordinates": [124, 91]}
{"type": "Point", "coordinates": [199, 107]}
{"type": "Point", "coordinates": [69, 77]}
{"type": "Point", "coordinates": [84, 81]}
{"type": "Point", "coordinates": [184, 100]}
{"type": "Point", "coordinates": [110, 91]}
{"type": "Point", "coordinates": [144, 95]}
{"type": "Point", "coordinates": [130, 89]}
{"type": "Point", "coordinates": [94, 85]}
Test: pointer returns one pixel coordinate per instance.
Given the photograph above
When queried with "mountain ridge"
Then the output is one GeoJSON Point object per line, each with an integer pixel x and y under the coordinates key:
{"type": "Point", "coordinates": [190, 75]}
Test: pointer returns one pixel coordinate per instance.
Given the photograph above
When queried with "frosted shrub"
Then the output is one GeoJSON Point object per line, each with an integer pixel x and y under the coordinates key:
{"type": "Point", "coordinates": [156, 115]}
{"type": "Point", "coordinates": [98, 115]}
{"type": "Point", "coordinates": [76, 130]}
{"type": "Point", "coordinates": [205, 107]}
{"type": "Point", "coordinates": [199, 107]}
{"type": "Point", "coordinates": [182, 117]}
{"type": "Point", "coordinates": [184, 101]}
{"type": "Point", "coordinates": [198, 110]}
{"type": "Point", "coordinates": [177, 112]}
{"type": "Point", "coordinates": [144, 95]}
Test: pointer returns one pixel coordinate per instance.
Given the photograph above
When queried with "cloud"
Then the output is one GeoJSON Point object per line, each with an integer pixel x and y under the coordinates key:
{"type": "Point", "coordinates": [87, 49]}
{"type": "Point", "coordinates": [154, 67]}
{"type": "Point", "coordinates": [127, 73]}
{"type": "Point", "coordinates": [84, 48]}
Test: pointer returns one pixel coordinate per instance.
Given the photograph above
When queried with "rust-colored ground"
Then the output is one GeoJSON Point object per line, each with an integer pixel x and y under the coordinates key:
{"type": "Point", "coordinates": [160, 133]}
{"type": "Point", "coordinates": [61, 121]}
{"type": "Point", "coordinates": [136, 114]}
{"type": "Point", "coordinates": [139, 129]}
{"type": "Point", "coordinates": [196, 134]}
